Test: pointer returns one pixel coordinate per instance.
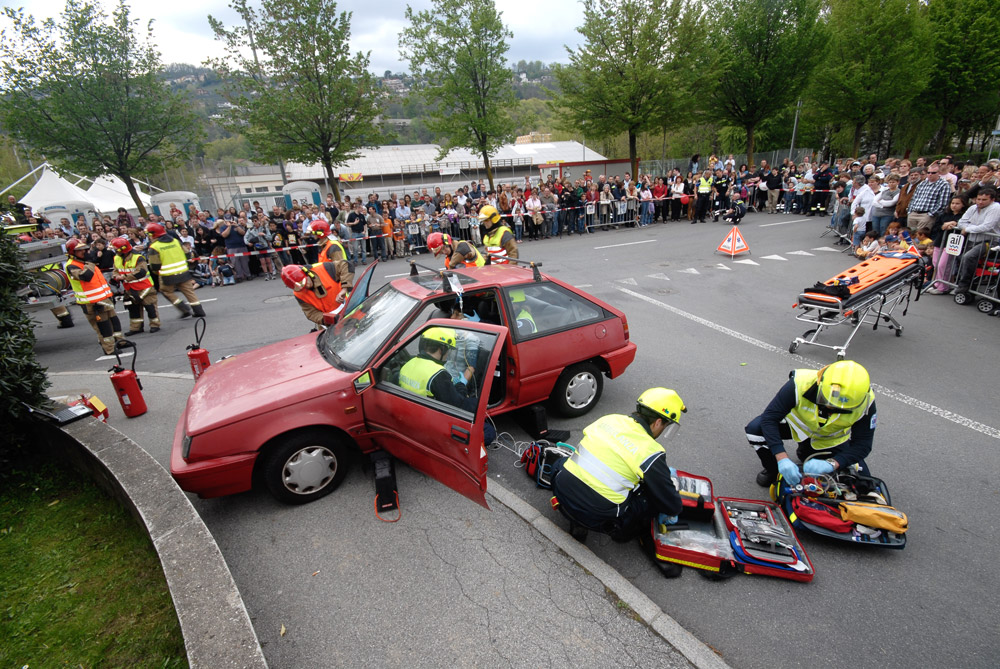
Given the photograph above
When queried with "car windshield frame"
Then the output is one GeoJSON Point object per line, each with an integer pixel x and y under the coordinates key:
{"type": "Point", "coordinates": [357, 337]}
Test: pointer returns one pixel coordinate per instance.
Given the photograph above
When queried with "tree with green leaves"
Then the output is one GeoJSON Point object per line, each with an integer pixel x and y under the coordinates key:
{"type": "Point", "coordinates": [85, 91]}
{"type": "Point", "coordinates": [758, 60]}
{"type": "Point", "coordinates": [301, 94]}
{"type": "Point", "coordinates": [965, 51]}
{"type": "Point", "coordinates": [633, 71]}
{"type": "Point", "coordinates": [875, 64]}
{"type": "Point", "coordinates": [457, 52]}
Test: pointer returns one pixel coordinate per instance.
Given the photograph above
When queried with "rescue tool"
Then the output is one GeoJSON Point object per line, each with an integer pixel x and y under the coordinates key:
{"type": "Point", "coordinates": [197, 356]}
{"type": "Point", "coordinates": [127, 385]}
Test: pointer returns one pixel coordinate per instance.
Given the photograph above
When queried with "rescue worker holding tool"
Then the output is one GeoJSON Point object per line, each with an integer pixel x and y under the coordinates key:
{"type": "Point", "coordinates": [130, 269]}
{"type": "Point", "coordinates": [618, 478]}
{"type": "Point", "coordinates": [330, 248]}
{"type": "Point", "coordinates": [830, 411]}
{"type": "Point", "coordinates": [456, 254]}
{"type": "Point", "coordinates": [425, 375]}
{"type": "Point", "coordinates": [93, 294]}
{"type": "Point", "coordinates": [321, 289]}
{"type": "Point", "coordinates": [497, 237]}
{"type": "Point", "coordinates": [167, 257]}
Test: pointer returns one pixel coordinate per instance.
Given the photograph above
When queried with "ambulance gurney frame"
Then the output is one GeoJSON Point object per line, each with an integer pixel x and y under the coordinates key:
{"type": "Point", "coordinates": [867, 293]}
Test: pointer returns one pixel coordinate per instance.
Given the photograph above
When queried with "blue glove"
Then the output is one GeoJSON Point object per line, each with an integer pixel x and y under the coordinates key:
{"type": "Point", "coordinates": [667, 520]}
{"type": "Point", "coordinates": [789, 471]}
{"type": "Point", "coordinates": [673, 473]}
{"type": "Point", "coordinates": [817, 466]}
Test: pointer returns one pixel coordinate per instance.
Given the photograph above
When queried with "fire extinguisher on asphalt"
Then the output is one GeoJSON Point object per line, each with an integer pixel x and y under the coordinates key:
{"type": "Point", "coordinates": [128, 388]}
{"type": "Point", "coordinates": [197, 356]}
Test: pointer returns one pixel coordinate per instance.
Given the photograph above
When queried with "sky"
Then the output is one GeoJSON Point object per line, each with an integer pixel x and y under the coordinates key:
{"type": "Point", "coordinates": [182, 35]}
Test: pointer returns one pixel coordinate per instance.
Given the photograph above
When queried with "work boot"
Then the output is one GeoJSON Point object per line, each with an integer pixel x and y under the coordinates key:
{"type": "Point", "coordinates": [185, 308]}
{"type": "Point", "coordinates": [65, 322]}
{"type": "Point", "coordinates": [136, 329]}
{"type": "Point", "coordinates": [154, 328]}
{"type": "Point", "coordinates": [765, 478]}
{"type": "Point", "coordinates": [199, 311]}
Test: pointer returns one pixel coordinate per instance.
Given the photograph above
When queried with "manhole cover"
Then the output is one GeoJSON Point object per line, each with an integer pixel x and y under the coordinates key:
{"type": "Point", "coordinates": [279, 298]}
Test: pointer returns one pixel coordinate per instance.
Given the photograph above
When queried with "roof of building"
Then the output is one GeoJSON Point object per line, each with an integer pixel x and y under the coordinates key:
{"type": "Point", "coordinates": [410, 158]}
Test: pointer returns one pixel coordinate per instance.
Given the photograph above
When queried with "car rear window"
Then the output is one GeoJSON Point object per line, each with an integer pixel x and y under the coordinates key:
{"type": "Point", "coordinates": [434, 281]}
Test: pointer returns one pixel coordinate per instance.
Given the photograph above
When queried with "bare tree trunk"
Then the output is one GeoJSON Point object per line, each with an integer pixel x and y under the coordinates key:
{"type": "Point", "coordinates": [858, 127]}
{"type": "Point", "coordinates": [331, 179]}
{"type": "Point", "coordinates": [133, 191]}
{"type": "Point", "coordinates": [942, 136]}
{"type": "Point", "coordinates": [963, 141]}
{"type": "Point", "coordinates": [489, 169]}
{"type": "Point", "coordinates": [750, 146]}
{"type": "Point", "coordinates": [633, 158]}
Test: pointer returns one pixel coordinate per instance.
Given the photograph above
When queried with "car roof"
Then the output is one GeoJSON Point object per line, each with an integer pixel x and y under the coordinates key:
{"type": "Point", "coordinates": [471, 278]}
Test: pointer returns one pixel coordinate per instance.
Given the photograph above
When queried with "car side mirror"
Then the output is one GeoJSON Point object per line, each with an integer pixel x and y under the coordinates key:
{"type": "Point", "coordinates": [363, 382]}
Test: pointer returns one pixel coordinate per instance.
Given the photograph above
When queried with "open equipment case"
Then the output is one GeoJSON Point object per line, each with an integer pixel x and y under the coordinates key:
{"type": "Point", "coordinates": [723, 536]}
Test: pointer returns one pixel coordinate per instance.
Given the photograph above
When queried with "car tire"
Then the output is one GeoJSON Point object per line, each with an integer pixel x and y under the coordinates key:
{"type": "Point", "coordinates": [578, 389]}
{"type": "Point", "coordinates": [305, 466]}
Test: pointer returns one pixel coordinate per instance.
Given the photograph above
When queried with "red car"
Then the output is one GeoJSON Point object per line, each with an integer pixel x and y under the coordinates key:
{"type": "Point", "coordinates": [527, 338]}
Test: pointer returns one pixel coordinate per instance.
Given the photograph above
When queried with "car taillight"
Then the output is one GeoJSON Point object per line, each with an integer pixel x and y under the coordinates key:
{"type": "Point", "coordinates": [625, 326]}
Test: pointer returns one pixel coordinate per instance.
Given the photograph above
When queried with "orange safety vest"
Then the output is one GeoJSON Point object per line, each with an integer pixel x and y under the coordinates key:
{"type": "Point", "coordinates": [328, 302]}
{"type": "Point", "coordinates": [87, 292]}
{"type": "Point", "coordinates": [479, 261]}
{"type": "Point", "coordinates": [324, 254]}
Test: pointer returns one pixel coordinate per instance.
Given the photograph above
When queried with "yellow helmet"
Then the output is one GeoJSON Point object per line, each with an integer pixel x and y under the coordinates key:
{"type": "Point", "coordinates": [843, 385]}
{"type": "Point", "coordinates": [517, 296]}
{"type": "Point", "coordinates": [489, 213]}
{"type": "Point", "coordinates": [439, 335]}
{"type": "Point", "coordinates": [664, 402]}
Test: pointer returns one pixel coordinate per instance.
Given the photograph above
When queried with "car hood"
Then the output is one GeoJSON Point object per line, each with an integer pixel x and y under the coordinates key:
{"type": "Point", "coordinates": [259, 381]}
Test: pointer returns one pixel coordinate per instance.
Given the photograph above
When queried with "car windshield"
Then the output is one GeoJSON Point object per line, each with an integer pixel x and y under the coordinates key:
{"type": "Point", "coordinates": [357, 336]}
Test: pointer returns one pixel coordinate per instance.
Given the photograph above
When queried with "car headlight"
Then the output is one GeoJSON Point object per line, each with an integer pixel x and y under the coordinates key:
{"type": "Point", "coordinates": [185, 447]}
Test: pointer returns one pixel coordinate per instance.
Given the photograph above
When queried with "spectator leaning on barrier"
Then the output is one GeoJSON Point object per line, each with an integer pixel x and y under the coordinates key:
{"type": "Point", "coordinates": [980, 224]}
{"type": "Point", "coordinates": [930, 198]}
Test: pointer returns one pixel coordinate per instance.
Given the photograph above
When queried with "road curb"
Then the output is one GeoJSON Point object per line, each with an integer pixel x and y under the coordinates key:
{"type": "Point", "coordinates": [696, 652]}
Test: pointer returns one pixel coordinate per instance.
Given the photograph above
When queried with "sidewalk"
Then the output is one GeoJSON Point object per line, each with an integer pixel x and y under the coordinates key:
{"type": "Point", "coordinates": [450, 584]}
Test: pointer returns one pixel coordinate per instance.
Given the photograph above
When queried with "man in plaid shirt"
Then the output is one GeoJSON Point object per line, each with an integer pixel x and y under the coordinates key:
{"type": "Point", "coordinates": [929, 199]}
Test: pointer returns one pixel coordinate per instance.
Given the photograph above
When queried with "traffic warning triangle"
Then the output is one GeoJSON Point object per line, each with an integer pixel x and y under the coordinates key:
{"type": "Point", "coordinates": [733, 243]}
{"type": "Point", "coordinates": [914, 250]}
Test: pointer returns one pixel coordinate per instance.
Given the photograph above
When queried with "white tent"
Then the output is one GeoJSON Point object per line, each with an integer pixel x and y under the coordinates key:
{"type": "Point", "coordinates": [109, 192]}
{"type": "Point", "coordinates": [53, 189]}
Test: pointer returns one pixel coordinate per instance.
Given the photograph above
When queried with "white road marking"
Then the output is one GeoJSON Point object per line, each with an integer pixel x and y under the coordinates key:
{"type": "Point", "coordinates": [767, 225]}
{"type": "Point", "coordinates": [958, 419]}
{"type": "Point", "coordinates": [747, 262]}
{"type": "Point", "coordinates": [689, 270]}
{"type": "Point", "coordinates": [611, 246]}
{"type": "Point", "coordinates": [628, 282]}
{"type": "Point", "coordinates": [774, 257]}
{"type": "Point", "coordinates": [722, 265]}
{"type": "Point", "coordinates": [800, 253]}
{"type": "Point", "coordinates": [158, 375]}
{"type": "Point", "coordinates": [111, 357]}
{"type": "Point", "coordinates": [584, 285]}
{"type": "Point", "coordinates": [391, 276]}
{"type": "Point", "coordinates": [211, 299]}
{"type": "Point", "coordinates": [825, 248]}
{"type": "Point", "coordinates": [659, 275]}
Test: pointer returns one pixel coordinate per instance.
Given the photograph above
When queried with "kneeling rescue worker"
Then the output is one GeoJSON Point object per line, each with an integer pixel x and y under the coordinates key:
{"type": "Point", "coordinates": [456, 254]}
{"type": "Point", "coordinates": [618, 479]}
{"type": "Point", "coordinates": [130, 269]}
{"type": "Point", "coordinates": [320, 289]}
{"type": "Point", "coordinates": [93, 294]}
{"type": "Point", "coordinates": [830, 411]}
{"type": "Point", "coordinates": [497, 237]}
{"type": "Point", "coordinates": [166, 255]}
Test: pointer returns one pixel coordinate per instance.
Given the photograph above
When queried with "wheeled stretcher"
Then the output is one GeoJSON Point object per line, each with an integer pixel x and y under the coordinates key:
{"type": "Point", "coordinates": [867, 293]}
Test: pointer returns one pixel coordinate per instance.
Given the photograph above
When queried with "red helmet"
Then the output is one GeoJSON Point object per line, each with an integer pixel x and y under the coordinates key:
{"type": "Point", "coordinates": [437, 240]}
{"type": "Point", "coordinates": [74, 245]}
{"type": "Point", "coordinates": [155, 230]}
{"type": "Point", "coordinates": [319, 228]}
{"type": "Point", "coordinates": [121, 246]}
{"type": "Point", "coordinates": [294, 276]}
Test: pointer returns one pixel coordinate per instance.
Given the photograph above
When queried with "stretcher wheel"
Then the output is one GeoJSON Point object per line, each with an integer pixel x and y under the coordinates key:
{"type": "Point", "coordinates": [793, 346]}
{"type": "Point", "coordinates": [961, 298]}
{"type": "Point", "coordinates": [899, 332]}
{"type": "Point", "coordinates": [669, 569]}
{"type": "Point", "coordinates": [985, 306]}
{"type": "Point", "coordinates": [841, 356]}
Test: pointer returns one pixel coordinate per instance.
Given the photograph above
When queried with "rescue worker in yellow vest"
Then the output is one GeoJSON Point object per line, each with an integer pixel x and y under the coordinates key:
{"type": "Point", "coordinates": [456, 254]}
{"type": "Point", "coordinates": [93, 294]}
{"type": "Point", "coordinates": [706, 190]}
{"type": "Point", "coordinates": [167, 257]}
{"type": "Point", "coordinates": [330, 247]}
{"type": "Point", "coordinates": [522, 313]}
{"type": "Point", "coordinates": [131, 270]}
{"type": "Point", "coordinates": [497, 238]}
{"type": "Point", "coordinates": [619, 478]}
{"type": "Point", "coordinates": [321, 289]}
{"type": "Point", "coordinates": [830, 413]}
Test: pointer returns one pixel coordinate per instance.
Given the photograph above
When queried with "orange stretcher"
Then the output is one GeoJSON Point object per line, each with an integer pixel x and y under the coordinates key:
{"type": "Point", "coordinates": [868, 293]}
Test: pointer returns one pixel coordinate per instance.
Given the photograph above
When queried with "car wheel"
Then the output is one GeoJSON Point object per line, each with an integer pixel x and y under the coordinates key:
{"type": "Point", "coordinates": [578, 389]}
{"type": "Point", "coordinates": [304, 467]}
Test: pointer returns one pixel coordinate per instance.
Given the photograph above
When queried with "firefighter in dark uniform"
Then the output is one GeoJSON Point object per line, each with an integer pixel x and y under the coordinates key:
{"type": "Point", "coordinates": [167, 258]}
{"type": "Point", "coordinates": [130, 269]}
{"type": "Point", "coordinates": [828, 412]}
{"type": "Point", "coordinates": [320, 289]}
{"type": "Point", "coordinates": [330, 247]}
{"type": "Point", "coordinates": [821, 182]}
{"type": "Point", "coordinates": [456, 254]}
{"type": "Point", "coordinates": [618, 479]}
{"type": "Point", "coordinates": [93, 294]}
{"type": "Point", "coordinates": [497, 238]}
{"type": "Point", "coordinates": [720, 184]}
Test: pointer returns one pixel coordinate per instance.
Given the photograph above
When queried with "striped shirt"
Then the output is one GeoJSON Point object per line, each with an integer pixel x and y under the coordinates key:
{"type": "Point", "coordinates": [930, 197]}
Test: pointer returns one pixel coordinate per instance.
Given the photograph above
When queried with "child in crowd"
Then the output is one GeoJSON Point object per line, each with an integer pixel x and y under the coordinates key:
{"type": "Point", "coordinates": [858, 225]}
{"type": "Point", "coordinates": [924, 242]}
{"type": "Point", "coordinates": [226, 272]}
{"type": "Point", "coordinates": [869, 245]}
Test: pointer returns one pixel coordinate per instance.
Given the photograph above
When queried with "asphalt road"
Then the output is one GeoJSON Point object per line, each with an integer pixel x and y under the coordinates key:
{"type": "Point", "coordinates": [717, 331]}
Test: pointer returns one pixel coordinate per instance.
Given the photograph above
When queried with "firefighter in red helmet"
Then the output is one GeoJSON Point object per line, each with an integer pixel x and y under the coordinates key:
{"type": "Point", "coordinates": [93, 294]}
{"type": "Point", "coordinates": [131, 270]}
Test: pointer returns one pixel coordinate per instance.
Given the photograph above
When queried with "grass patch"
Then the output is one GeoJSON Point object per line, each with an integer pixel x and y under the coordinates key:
{"type": "Point", "coordinates": [80, 584]}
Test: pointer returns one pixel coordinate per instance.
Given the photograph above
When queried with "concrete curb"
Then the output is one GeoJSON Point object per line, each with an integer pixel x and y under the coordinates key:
{"type": "Point", "coordinates": [214, 621]}
{"type": "Point", "coordinates": [697, 653]}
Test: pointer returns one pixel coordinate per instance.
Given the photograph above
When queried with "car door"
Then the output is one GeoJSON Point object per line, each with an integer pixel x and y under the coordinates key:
{"type": "Point", "coordinates": [439, 439]}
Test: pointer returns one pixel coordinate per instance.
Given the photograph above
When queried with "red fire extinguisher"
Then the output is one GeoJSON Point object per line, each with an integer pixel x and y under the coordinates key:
{"type": "Point", "coordinates": [127, 384]}
{"type": "Point", "coordinates": [197, 356]}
